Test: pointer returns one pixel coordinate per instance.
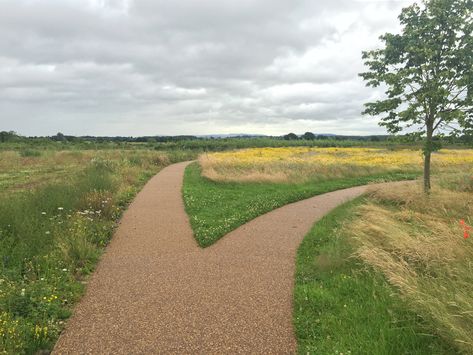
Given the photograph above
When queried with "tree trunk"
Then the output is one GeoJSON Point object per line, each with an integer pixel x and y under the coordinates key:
{"type": "Point", "coordinates": [427, 155]}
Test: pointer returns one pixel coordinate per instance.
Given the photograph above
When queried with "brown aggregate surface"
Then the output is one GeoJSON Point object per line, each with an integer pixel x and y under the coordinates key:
{"type": "Point", "coordinates": [156, 291]}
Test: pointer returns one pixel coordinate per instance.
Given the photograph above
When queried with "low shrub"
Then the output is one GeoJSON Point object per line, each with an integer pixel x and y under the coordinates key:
{"type": "Point", "coordinates": [30, 153]}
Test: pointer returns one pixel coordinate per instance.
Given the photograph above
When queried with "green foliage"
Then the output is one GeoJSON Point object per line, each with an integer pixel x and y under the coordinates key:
{"type": "Point", "coordinates": [428, 68]}
{"type": "Point", "coordinates": [30, 153]}
{"type": "Point", "coordinates": [343, 307]}
{"type": "Point", "coordinates": [428, 73]}
{"type": "Point", "coordinates": [290, 137]}
{"type": "Point", "coordinates": [202, 145]}
{"type": "Point", "coordinates": [218, 208]}
{"type": "Point", "coordinates": [308, 136]}
{"type": "Point", "coordinates": [8, 136]}
{"type": "Point", "coordinates": [194, 146]}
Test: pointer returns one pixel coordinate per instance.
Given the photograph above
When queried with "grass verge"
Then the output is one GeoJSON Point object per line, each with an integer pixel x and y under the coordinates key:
{"type": "Point", "coordinates": [341, 306]}
{"type": "Point", "coordinates": [217, 208]}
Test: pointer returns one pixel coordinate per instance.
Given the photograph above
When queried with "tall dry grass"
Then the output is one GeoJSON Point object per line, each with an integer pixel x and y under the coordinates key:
{"type": "Point", "coordinates": [21, 171]}
{"type": "Point", "coordinates": [302, 164]}
{"type": "Point", "coordinates": [417, 242]}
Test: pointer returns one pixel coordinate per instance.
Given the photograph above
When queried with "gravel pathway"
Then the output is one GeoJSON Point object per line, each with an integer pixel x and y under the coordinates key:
{"type": "Point", "coordinates": [155, 291]}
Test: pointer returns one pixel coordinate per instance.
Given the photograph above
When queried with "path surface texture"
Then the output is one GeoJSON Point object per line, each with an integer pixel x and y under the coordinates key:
{"type": "Point", "coordinates": [156, 291]}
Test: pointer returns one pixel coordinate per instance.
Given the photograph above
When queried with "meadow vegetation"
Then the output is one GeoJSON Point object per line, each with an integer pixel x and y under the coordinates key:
{"type": "Point", "coordinates": [301, 164]}
{"type": "Point", "coordinates": [57, 212]}
{"type": "Point", "coordinates": [227, 189]}
{"type": "Point", "coordinates": [58, 209]}
{"type": "Point", "coordinates": [26, 168]}
{"type": "Point", "coordinates": [201, 144]}
{"type": "Point", "coordinates": [395, 267]}
{"type": "Point", "coordinates": [421, 246]}
{"type": "Point", "coordinates": [224, 144]}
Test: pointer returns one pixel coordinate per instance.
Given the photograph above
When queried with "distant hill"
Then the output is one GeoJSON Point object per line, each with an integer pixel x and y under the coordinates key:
{"type": "Point", "coordinates": [232, 135]}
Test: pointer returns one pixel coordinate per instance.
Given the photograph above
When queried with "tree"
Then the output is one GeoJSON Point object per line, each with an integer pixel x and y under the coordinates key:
{"type": "Point", "coordinates": [290, 136]}
{"type": "Point", "coordinates": [428, 73]}
{"type": "Point", "coordinates": [59, 137]}
{"type": "Point", "coordinates": [7, 136]}
{"type": "Point", "coordinates": [308, 136]}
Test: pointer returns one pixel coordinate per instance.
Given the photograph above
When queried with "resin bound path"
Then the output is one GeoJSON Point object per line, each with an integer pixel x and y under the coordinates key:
{"type": "Point", "coordinates": [156, 291]}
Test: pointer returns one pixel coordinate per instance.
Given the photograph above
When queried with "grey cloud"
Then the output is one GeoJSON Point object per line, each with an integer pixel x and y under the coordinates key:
{"type": "Point", "coordinates": [162, 67]}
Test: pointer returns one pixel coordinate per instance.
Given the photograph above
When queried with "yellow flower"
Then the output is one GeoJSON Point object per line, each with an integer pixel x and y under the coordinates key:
{"type": "Point", "coordinates": [302, 163]}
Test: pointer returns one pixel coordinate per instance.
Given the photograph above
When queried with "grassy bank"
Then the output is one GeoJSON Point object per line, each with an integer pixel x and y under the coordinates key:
{"type": "Point", "coordinates": [217, 208]}
{"type": "Point", "coordinates": [52, 234]}
{"type": "Point", "coordinates": [394, 266]}
{"type": "Point", "coordinates": [343, 307]}
{"type": "Point", "coordinates": [417, 242]}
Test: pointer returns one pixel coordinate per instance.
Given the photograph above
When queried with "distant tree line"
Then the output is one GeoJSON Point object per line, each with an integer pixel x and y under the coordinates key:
{"type": "Point", "coordinates": [309, 136]}
{"type": "Point", "coordinates": [221, 143]}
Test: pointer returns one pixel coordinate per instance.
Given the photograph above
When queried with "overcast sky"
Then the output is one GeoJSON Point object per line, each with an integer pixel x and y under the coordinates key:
{"type": "Point", "coordinates": [162, 67]}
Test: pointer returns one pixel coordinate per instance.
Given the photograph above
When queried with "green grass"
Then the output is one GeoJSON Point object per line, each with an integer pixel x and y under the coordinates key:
{"type": "Point", "coordinates": [36, 168]}
{"type": "Point", "coordinates": [46, 247]}
{"type": "Point", "coordinates": [30, 153]}
{"type": "Point", "coordinates": [344, 307]}
{"type": "Point", "coordinates": [218, 208]}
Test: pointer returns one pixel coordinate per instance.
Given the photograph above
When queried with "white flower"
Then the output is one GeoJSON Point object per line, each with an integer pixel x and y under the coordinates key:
{"type": "Point", "coordinates": [60, 208]}
{"type": "Point", "coordinates": [22, 291]}
{"type": "Point", "coordinates": [48, 232]}
{"type": "Point", "coordinates": [43, 213]}
{"type": "Point", "coordinates": [64, 270]}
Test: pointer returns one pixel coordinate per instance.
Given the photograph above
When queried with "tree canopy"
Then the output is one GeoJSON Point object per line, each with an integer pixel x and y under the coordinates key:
{"type": "Point", "coordinates": [427, 71]}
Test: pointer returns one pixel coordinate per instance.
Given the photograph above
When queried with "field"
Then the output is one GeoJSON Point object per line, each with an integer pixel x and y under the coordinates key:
{"type": "Point", "coordinates": [200, 144]}
{"type": "Point", "coordinates": [26, 168]}
{"type": "Point", "coordinates": [393, 265]}
{"type": "Point", "coordinates": [57, 212]}
{"type": "Point", "coordinates": [301, 164]}
{"type": "Point", "coordinates": [230, 188]}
